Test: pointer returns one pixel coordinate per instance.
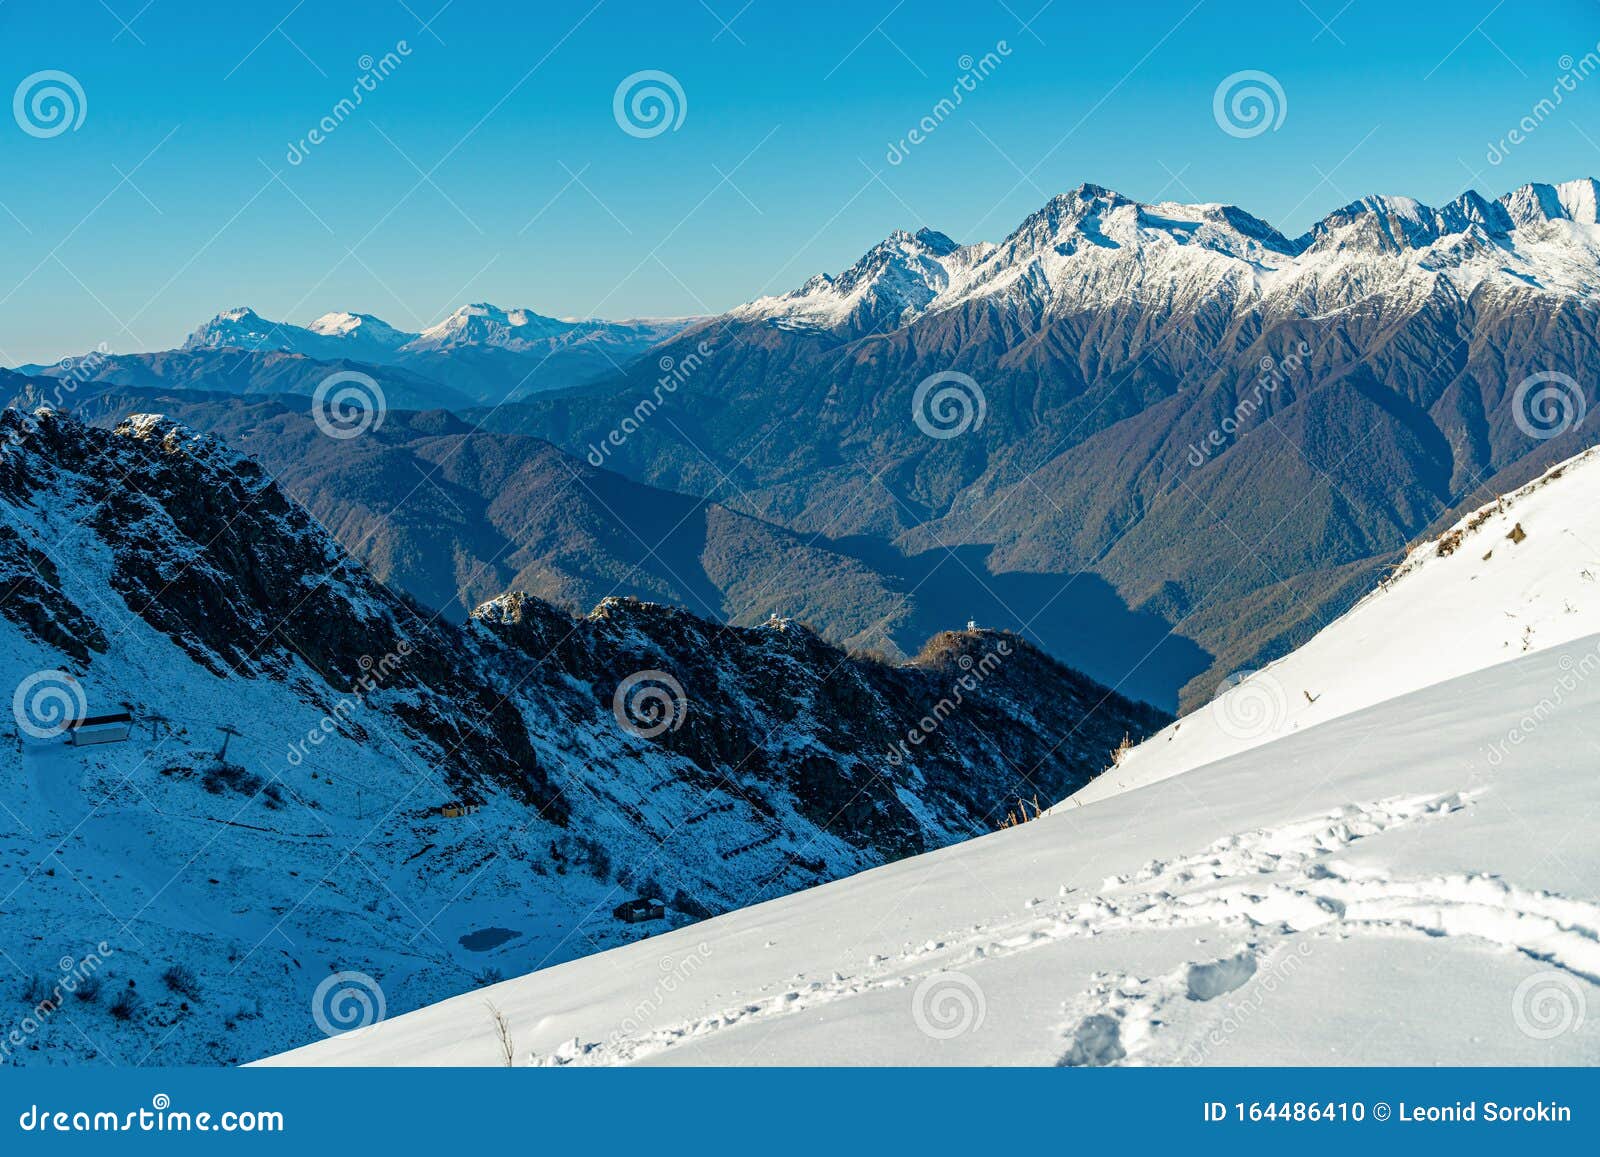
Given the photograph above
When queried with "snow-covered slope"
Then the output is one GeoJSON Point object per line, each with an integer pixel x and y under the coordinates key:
{"type": "Point", "coordinates": [1413, 881]}
{"type": "Point", "coordinates": [1371, 893]}
{"type": "Point", "coordinates": [360, 327]}
{"type": "Point", "coordinates": [1520, 574]}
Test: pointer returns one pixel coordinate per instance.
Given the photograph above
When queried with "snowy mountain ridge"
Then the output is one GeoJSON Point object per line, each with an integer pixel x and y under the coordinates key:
{"type": "Point", "coordinates": [360, 335]}
{"type": "Point", "coordinates": [1092, 246]}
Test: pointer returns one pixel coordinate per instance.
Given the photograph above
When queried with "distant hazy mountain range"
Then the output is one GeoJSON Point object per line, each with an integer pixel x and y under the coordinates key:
{"type": "Point", "coordinates": [1169, 416]}
{"type": "Point", "coordinates": [480, 354]}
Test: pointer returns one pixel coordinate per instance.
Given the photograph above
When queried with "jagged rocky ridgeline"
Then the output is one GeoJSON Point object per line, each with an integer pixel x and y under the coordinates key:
{"type": "Point", "coordinates": [637, 750]}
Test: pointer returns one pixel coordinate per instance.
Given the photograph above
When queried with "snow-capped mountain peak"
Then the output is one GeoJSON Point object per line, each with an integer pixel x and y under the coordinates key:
{"type": "Point", "coordinates": [241, 327]}
{"type": "Point", "coordinates": [357, 335]}
{"type": "Point", "coordinates": [360, 325]}
{"type": "Point", "coordinates": [1394, 224]}
{"type": "Point", "coordinates": [1093, 247]}
{"type": "Point", "coordinates": [485, 324]}
{"type": "Point", "coordinates": [1537, 203]}
{"type": "Point", "coordinates": [475, 354]}
{"type": "Point", "coordinates": [891, 284]}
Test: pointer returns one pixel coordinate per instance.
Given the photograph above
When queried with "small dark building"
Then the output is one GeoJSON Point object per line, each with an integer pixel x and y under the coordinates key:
{"type": "Point", "coordinates": [90, 729]}
{"type": "Point", "coordinates": [640, 910]}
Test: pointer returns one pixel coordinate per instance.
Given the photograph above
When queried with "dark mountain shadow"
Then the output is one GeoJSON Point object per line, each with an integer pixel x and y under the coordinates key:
{"type": "Point", "coordinates": [1078, 618]}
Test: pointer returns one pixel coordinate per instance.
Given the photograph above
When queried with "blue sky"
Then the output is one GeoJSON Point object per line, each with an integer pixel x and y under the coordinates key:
{"type": "Point", "coordinates": [488, 164]}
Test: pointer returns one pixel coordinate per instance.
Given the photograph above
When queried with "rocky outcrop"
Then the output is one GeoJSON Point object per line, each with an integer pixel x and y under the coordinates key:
{"type": "Point", "coordinates": [894, 758]}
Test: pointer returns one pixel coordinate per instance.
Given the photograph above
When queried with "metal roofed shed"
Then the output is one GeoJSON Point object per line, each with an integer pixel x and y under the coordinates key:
{"type": "Point", "coordinates": [92, 729]}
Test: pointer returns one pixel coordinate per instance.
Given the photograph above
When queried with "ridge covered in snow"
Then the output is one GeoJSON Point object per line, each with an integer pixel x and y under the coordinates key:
{"type": "Point", "coordinates": [1092, 246]}
{"type": "Point", "coordinates": [361, 335]}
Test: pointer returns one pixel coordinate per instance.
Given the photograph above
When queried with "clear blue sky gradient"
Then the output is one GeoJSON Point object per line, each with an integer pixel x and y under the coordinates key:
{"type": "Point", "coordinates": [164, 206]}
